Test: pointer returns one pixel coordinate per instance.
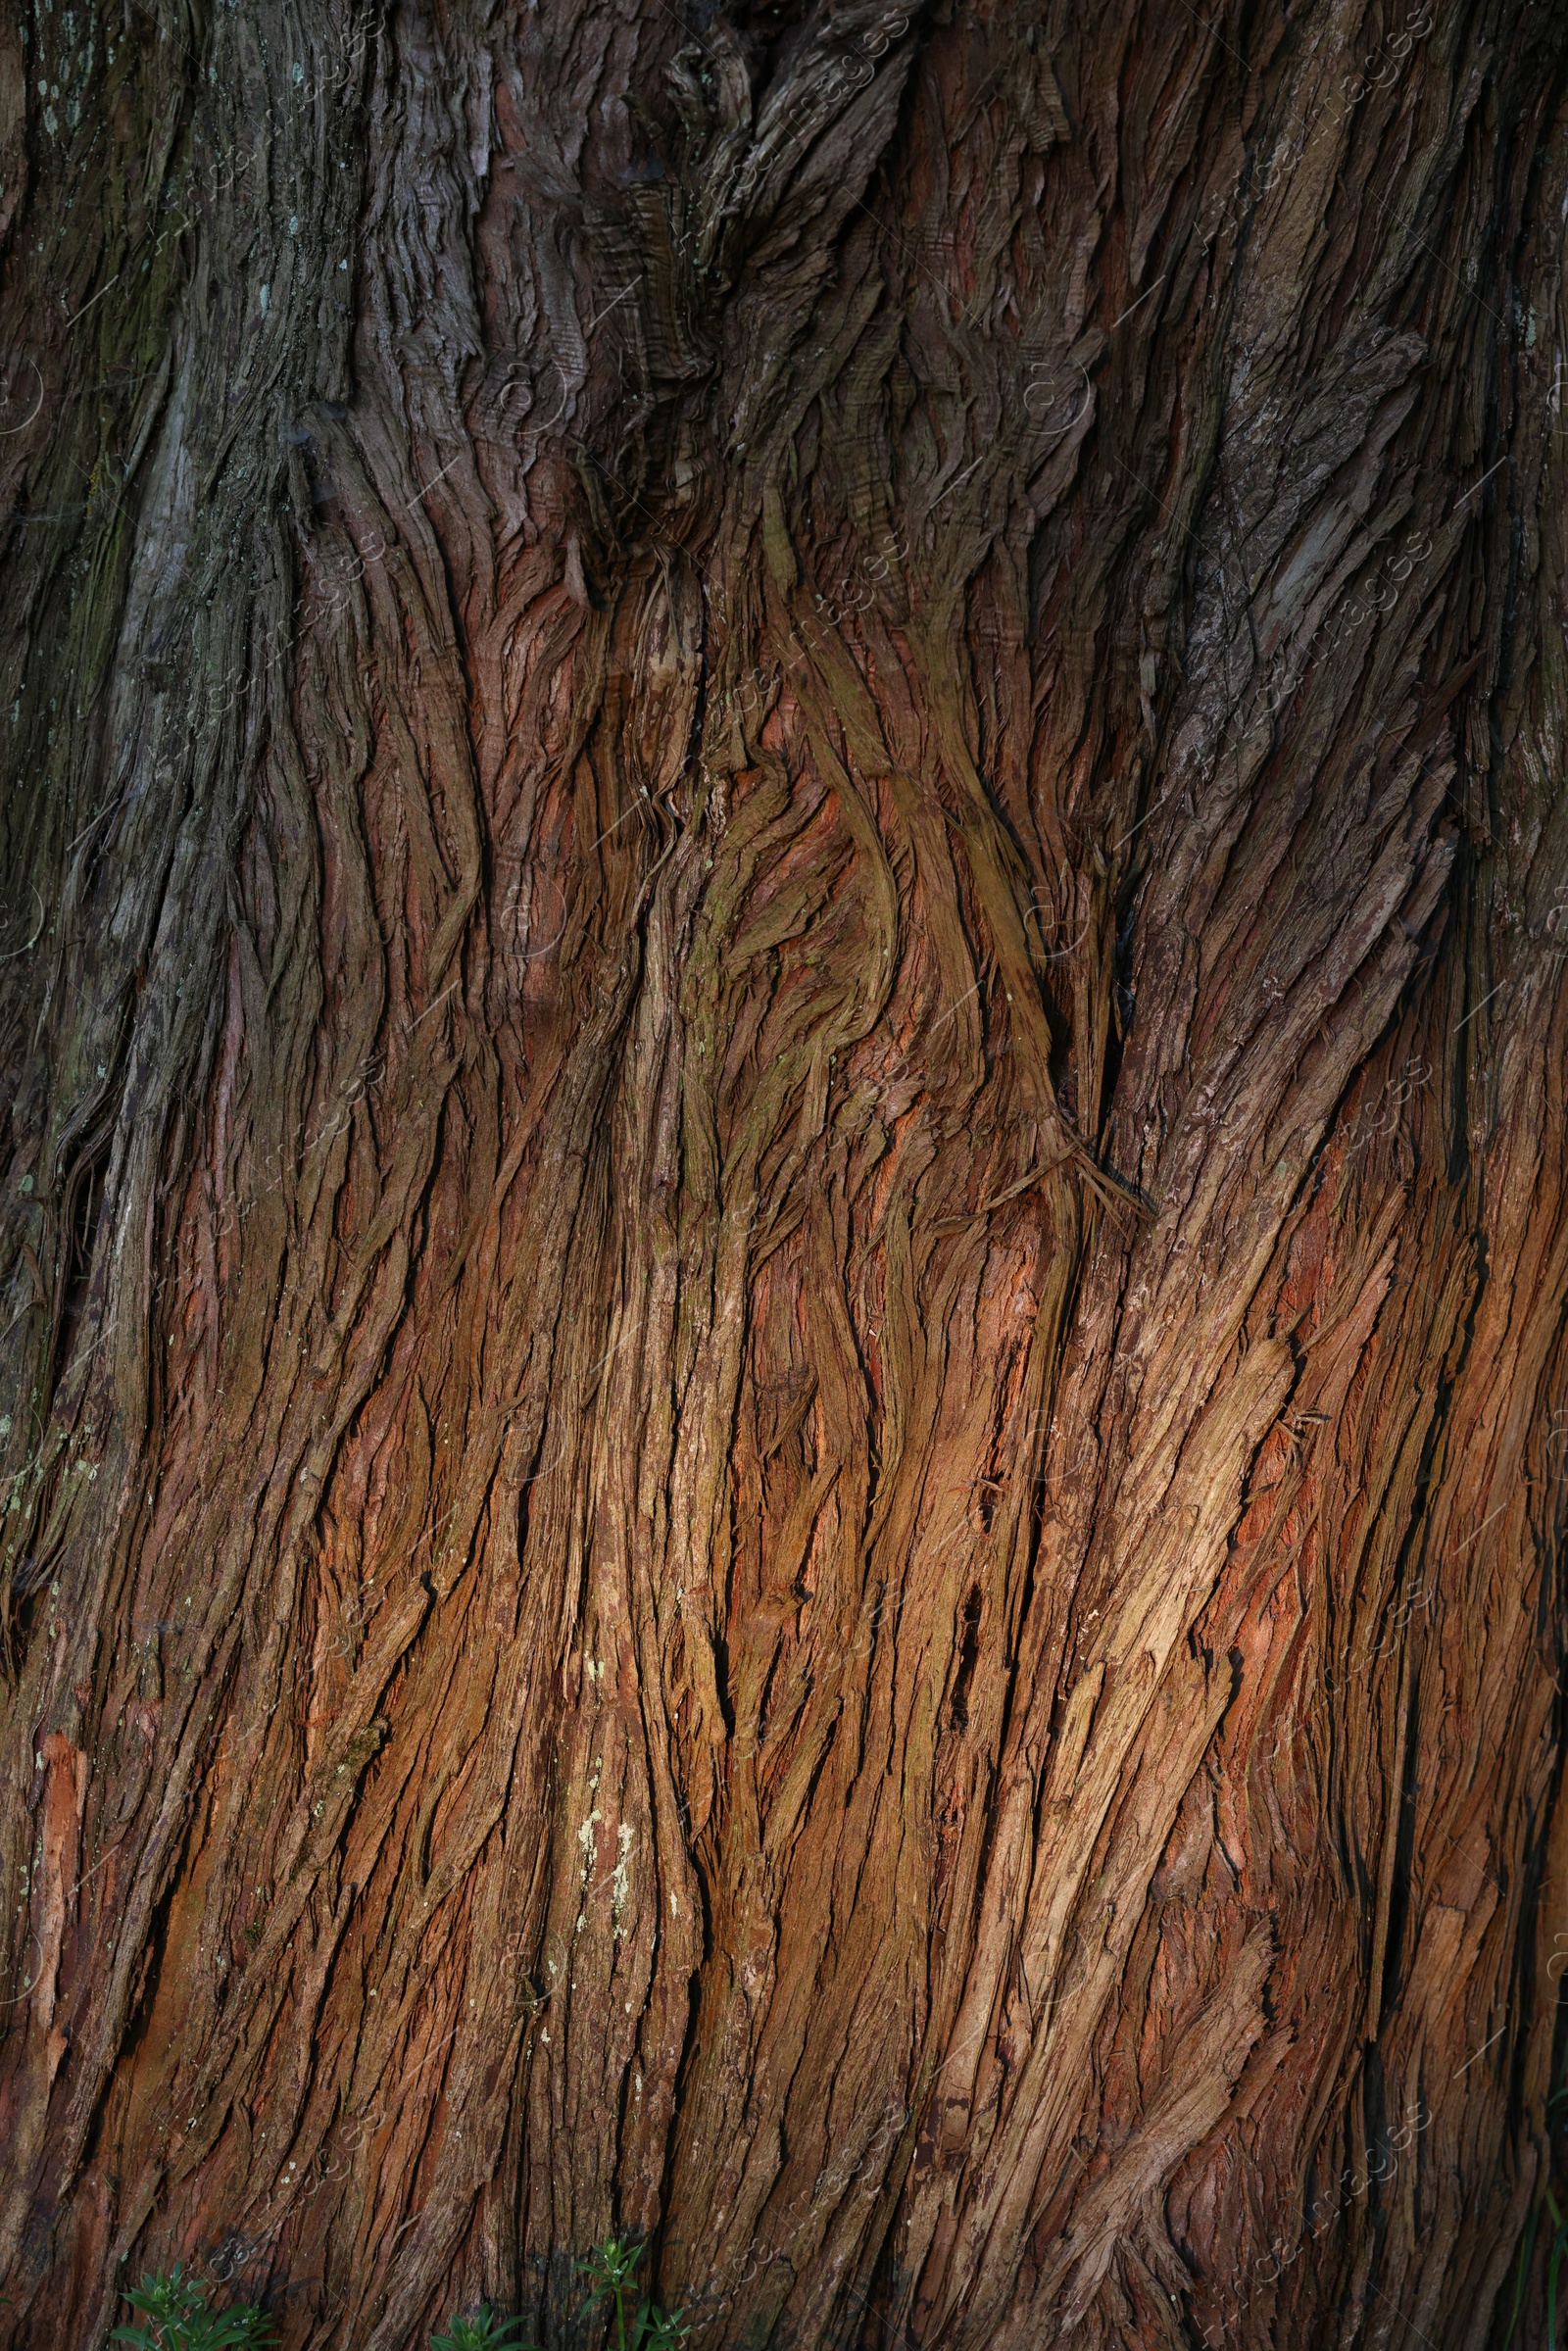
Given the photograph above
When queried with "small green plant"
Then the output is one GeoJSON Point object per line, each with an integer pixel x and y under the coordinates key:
{"type": "Point", "coordinates": [486, 2333]}
{"type": "Point", "coordinates": [181, 2318]}
{"type": "Point", "coordinates": [610, 2268]}
{"type": "Point", "coordinates": [1554, 2260]}
{"type": "Point", "coordinates": [659, 2330]}
{"type": "Point", "coordinates": [1559, 2246]}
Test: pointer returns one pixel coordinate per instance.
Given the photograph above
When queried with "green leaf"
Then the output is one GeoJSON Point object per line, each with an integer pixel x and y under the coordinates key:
{"type": "Point", "coordinates": [659, 2330]}
{"type": "Point", "coordinates": [182, 2319]}
{"type": "Point", "coordinates": [486, 2333]}
{"type": "Point", "coordinates": [1525, 2251]}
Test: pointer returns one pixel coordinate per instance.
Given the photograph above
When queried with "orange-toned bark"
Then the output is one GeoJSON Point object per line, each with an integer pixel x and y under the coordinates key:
{"type": "Point", "coordinates": [783, 1245]}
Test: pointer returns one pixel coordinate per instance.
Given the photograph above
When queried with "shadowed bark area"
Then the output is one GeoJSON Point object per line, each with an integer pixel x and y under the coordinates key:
{"type": "Point", "coordinates": [783, 1240]}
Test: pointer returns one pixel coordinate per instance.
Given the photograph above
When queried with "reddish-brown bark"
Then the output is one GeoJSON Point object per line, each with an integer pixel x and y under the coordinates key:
{"type": "Point", "coordinates": [783, 1248]}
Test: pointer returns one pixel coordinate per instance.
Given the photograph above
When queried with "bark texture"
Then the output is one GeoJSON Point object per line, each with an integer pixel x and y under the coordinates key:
{"type": "Point", "coordinates": [783, 1242]}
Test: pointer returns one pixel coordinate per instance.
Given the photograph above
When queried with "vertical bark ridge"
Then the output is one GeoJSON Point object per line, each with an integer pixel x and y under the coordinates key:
{"type": "Point", "coordinates": [783, 1239]}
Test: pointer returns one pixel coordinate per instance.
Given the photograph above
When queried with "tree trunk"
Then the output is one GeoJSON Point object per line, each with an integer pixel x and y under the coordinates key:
{"type": "Point", "coordinates": [783, 1245]}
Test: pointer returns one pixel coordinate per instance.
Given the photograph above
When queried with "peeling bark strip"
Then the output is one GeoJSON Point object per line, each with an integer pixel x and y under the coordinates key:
{"type": "Point", "coordinates": [783, 1248]}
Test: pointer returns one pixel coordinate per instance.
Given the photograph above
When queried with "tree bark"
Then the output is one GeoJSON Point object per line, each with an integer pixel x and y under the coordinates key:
{"type": "Point", "coordinates": [783, 1242]}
